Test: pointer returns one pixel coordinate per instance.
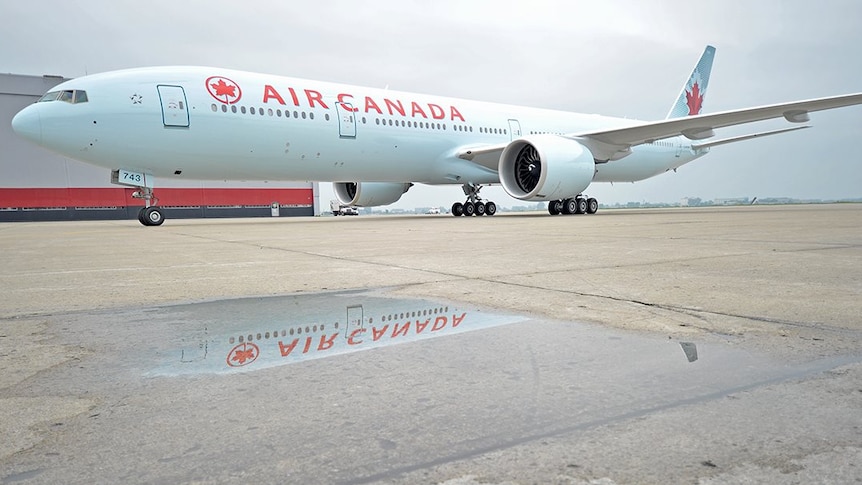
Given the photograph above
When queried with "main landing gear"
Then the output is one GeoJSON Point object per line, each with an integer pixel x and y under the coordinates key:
{"type": "Point", "coordinates": [474, 204]}
{"type": "Point", "coordinates": [576, 205]}
{"type": "Point", "coordinates": [149, 215]}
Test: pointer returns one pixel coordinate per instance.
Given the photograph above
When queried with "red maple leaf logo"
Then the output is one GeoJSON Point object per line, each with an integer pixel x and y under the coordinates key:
{"type": "Point", "coordinates": [242, 354]}
{"type": "Point", "coordinates": [694, 99]}
{"type": "Point", "coordinates": [222, 88]}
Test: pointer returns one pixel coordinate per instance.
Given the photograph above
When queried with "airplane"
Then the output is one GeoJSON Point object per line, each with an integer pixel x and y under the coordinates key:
{"type": "Point", "coordinates": [204, 123]}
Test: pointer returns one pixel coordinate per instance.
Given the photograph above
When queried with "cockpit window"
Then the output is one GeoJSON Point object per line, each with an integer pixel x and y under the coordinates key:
{"type": "Point", "coordinates": [69, 96]}
{"type": "Point", "coordinates": [51, 96]}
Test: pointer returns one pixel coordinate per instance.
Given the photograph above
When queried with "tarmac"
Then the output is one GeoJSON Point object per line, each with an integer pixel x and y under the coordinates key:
{"type": "Point", "coordinates": [689, 345]}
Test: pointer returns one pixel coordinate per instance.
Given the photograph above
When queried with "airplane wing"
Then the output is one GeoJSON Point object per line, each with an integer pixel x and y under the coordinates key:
{"type": "Point", "coordinates": [612, 144]}
{"type": "Point", "coordinates": [606, 143]}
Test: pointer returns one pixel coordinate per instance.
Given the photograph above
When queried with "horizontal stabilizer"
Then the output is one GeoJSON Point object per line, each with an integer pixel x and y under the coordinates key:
{"type": "Point", "coordinates": [734, 139]}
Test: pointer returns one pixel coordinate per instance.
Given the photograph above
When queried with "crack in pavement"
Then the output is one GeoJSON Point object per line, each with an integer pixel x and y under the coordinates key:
{"type": "Point", "coordinates": [695, 312]}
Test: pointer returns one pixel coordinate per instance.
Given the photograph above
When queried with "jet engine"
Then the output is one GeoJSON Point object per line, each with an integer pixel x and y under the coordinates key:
{"type": "Point", "coordinates": [369, 194]}
{"type": "Point", "coordinates": [546, 167]}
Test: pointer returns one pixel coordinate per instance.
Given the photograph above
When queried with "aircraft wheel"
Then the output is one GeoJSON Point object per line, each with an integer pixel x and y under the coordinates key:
{"type": "Point", "coordinates": [151, 216]}
{"type": "Point", "coordinates": [457, 209]}
{"type": "Point", "coordinates": [582, 205]}
{"type": "Point", "coordinates": [592, 206]}
{"type": "Point", "coordinates": [490, 208]}
{"type": "Point", "coordinates": [554, 207]}
{"type": "Point", "coordinates": [570, 206]}
{"type": "Point", "coordinates": [480, 209]}
{"type": "Point", "coordinates": [469, 209]}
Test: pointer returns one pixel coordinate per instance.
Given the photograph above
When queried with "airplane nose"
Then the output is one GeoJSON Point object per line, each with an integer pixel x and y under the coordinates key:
{"type": "Point", "coordinates": [28, 124]}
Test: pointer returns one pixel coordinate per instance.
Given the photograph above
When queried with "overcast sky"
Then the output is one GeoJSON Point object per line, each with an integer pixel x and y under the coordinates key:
{"type": "Point", "coordinates": [615, 57]}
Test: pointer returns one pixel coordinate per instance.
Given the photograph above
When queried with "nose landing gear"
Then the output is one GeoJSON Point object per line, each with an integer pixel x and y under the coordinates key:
{"type": "Point", "coordinates": [149, 215]}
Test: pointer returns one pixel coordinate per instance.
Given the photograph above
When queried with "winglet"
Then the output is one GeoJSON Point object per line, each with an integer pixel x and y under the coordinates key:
{"type": "Point", "coordinates": [690, 100]}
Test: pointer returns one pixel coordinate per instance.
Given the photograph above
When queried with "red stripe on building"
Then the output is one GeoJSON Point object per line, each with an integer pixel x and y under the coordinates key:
{"type": "Point", "coordinates": [168, 197]}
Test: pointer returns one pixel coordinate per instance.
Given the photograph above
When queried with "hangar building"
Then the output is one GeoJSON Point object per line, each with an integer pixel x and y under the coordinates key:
{"type": "Point", "coordinates": [39, 185]}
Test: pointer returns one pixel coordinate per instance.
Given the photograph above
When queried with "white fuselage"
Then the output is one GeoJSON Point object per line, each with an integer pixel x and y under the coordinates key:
{"type": "Point", "coordinates": [209, 123]}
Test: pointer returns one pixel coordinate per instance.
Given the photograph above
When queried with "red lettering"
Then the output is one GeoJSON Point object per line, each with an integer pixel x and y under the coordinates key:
{"type": "Point", "coordinates": [355, 333]}
{"type": "Point", "coordinates": [421, 326]}
{"type": "Point", "coordinates": [370, 104]}
{"type": "Point", "coordinates": [326, 343]}
{"type": "Point", "coordinates": [436, 112]}
{"type": "Point", "coordinates": [293, 96]}
{"type": "Point", "coordinates": [397, 106]}
{"type": "Point", "coordinates": [457, 320]}
{"type": "Point", "coordinates": [415, 108]}
{"type": "Point", "coordinates": [307, 345]}
{"type": "Point", "coordinates": [314, 97]}
{"type": "Point", "coordinates": [439, 323]}
{"type": "Point", "coordinates": [402, 331]}
{"type": "Point", "coordinates": [377, 334]}
{"type": "Point", "coordinates": [270, 92]}
{"type": "Point", "coordinates": [287, 349]}
{"type": "Point", "coordinates": [344, 104]}
{"type": "Point", "coordinates": [454, 112]}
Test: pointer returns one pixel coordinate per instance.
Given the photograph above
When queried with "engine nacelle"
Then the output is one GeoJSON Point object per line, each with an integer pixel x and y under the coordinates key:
{"type": "Point", "coordinates": [546, 167]}
{"type": "Point", "coordinates": [369, 194]}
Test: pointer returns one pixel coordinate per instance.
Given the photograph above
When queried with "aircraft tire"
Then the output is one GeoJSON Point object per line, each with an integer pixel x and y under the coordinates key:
{"type": "Point", "coordinates": [457, 209]}
{"type": "Point", "coordinates": [554, 207]}
{"type": "Point", "coordinates": [490, 208]}
{"type": "Point", "coordinates": [480, 209]}
{"type": "Point", "coordinates": [582, 206]}
{"type": "Point", "coordinates": [570, 206]}
{"type": "Point", "coordinates": [152, 216]}
{"type": "Point", "coordinates": [592, 206]}
{"type": "Point", "coordinates": [469, 209]}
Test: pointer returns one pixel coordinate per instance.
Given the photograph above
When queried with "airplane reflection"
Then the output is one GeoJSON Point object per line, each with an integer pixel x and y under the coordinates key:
{"type": "Point", "coordinates": [251, 334]}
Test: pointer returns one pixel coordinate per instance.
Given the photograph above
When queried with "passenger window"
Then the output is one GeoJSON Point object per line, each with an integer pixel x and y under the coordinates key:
{"type": "Point", "coordinates": [251, 110]}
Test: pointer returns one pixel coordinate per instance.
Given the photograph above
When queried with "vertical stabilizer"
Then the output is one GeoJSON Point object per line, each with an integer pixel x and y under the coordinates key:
{"type": "Point", "coordinates": [690, 100]}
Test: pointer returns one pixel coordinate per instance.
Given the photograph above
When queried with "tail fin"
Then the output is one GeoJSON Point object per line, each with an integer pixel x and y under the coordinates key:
{"type": "Point", "coordinates": [690, 100]}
